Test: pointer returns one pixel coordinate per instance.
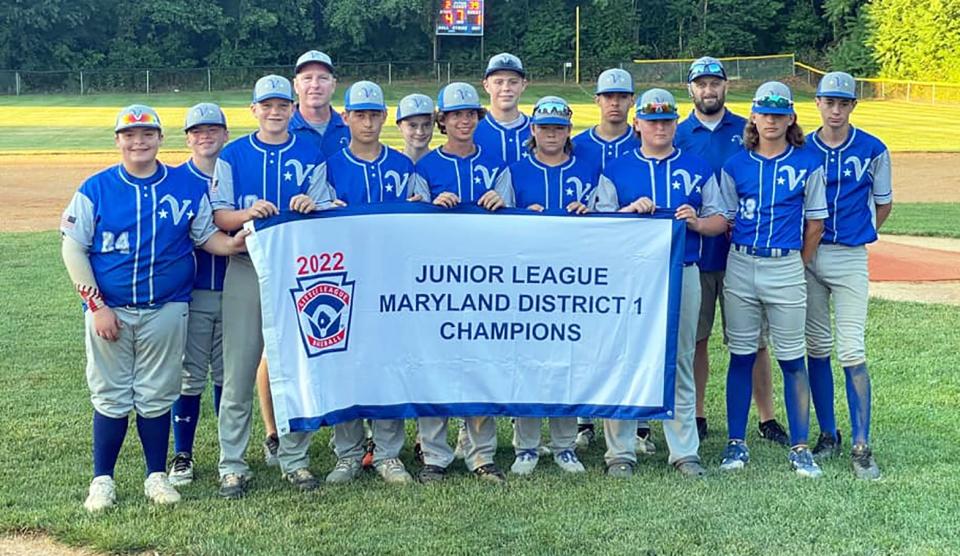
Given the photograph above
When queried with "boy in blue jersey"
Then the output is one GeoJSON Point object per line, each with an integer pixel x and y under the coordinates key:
{"type": "Point", "coordinates": [206, 131]}
{"type": "Point", "coordinates": [657, 174]}
{"type": "Point", "coordinates": [859, 199]}
{"type": "Point", "coordinates": [368, 172]}
{"type": "Point", "coordinates": [715, 134]}
{"type": "Point", "coordinates": [613, 136]}
{"type": "Point", "coordinates": [415, 120]}
{"type": "Point", "coordinates": [259, 175]}
{"type": "Point", "coordinates": [553, 181]}
{"type": "Point", "coordinates": [314, 119]}
{"type": "Point", "coordinates": [460, 171]}
{"type": "Point", "coordinates": [503, 131]}
{"type": "Point", "coordinates": [773, 191]}
{"type": "Point", "coordinates": [128, 240]}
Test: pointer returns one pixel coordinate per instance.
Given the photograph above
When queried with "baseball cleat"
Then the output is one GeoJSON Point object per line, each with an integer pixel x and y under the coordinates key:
{"type": "Point", "coordinates": [270, 447]}
{"type": "Point", "coordinates": [645, 443]}
{"type": "Point", "coordinates": [735, 456]}
{"type": "Point", "coordinates": [181, 469]}
{"type": "Point", "coordinates": [690, 468]}
{"type": "Point", "coordinates": [620, 470]}
{"type": "Point", "coordinates": [431, 474]}
{"type": "Point", "coordinates": [158, 489]}
{"type": "Point", "coordinates": [525, 462]}
{"type": "Point", "coordinates": [801, 459]}
{"type": "Point", "coordinates": [302, 479]}
{"type": "Point", "coordinates": [367, 461]}
{"type": "Point", "coordinates": [102, 495]}
{"type": "Point", "coordinates": [864, 466]}
{"type": "Point", "coordinates": [393, 471]}
{"type": "Point", "coordinates": [773, 431]}
{"type": "Point", "coordinates": [346, 470]}
{"type": "Point", "coordinates": [568, 461]}
{"type": "Point", "coordinates": [827, 445]}
{"type": "Point", "coordinates": [585, 435]}
{"type": "Point", "coordinates": [490, 473]}
{"type": "Point", "coordinates": [233, 486]}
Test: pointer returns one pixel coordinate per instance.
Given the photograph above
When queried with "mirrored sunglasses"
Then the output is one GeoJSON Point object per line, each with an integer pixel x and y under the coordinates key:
{"type": "Point", "coordinates": [773, 101]}
{"type": "Point", "coordinates": [553, 109]}
{"type": "Point", "coordinates": [710, 67]}
{"type": "Point", "coordinates": [657, 108]}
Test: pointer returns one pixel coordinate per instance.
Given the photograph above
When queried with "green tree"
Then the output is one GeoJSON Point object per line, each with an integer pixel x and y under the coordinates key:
{"type": "Point", "coordinates": [927, 48]}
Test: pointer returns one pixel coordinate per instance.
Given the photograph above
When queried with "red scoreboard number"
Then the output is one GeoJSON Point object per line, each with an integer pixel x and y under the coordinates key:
{"type": "Point", "coordinates": [460, 17]}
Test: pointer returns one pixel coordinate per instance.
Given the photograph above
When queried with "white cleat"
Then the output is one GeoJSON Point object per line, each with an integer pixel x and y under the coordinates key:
{"type": "Point", "coordinates": [158, 489]}
{"type": "Point", "coordinates": [103, 494]}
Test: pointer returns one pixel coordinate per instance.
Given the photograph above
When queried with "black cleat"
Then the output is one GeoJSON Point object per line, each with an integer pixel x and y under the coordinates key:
{"type": "Point", "coordinates": [772, 430]}
{"type": "Point", "coordinates": [827, 446]}
{"type": "Point", "coordinates": [864, 466]}
{"type": "Point", "coordinates": [431, 474]}
{"type": "Point", "coordinates": [702, 428]}
{"type": "Point", "coordinates": [491, 474]}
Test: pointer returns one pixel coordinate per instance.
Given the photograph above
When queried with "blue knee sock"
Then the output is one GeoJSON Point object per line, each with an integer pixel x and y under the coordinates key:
{"type": "Point", "coordinates": [186, 413]}
{"type": "Point", "coordinates": [155, 438]}
{"type": "Point", "coordinates": [108, 435]}
{"type": "Point", "coordinates": [858, 401]}
{"type": "Point", "coordinates": [796, 394]}
{"type": "Point", "coordinates": [739, 390]}
{"type": "Point", "coordinates": [821, 390]}
{"type": "Point", "coordinates": [217, 392]}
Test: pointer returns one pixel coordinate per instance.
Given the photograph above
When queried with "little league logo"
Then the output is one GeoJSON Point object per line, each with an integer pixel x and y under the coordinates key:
{"type": "Point", "coordinates": [324, 304]}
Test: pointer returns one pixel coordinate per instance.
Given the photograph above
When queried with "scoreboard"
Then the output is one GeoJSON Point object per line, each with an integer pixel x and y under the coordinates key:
{"type": "Point", "coordinates": [460, 17]}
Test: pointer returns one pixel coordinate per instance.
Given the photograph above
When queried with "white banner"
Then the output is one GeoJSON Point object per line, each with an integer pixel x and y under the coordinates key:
{"type": "Point", "coordinates": [405, 310]}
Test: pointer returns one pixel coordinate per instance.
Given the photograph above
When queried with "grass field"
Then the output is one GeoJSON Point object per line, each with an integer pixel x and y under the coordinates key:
{"type": "Point", "coordinates": [46, 419]}
{"type": "Point", "coordinates": [50, 123]}
{"type": "Point", "coordinates": [924, 219]}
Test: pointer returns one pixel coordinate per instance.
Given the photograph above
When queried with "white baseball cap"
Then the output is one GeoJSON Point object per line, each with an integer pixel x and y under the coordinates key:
{"type": "Point", "coordinates": [615, 80]}
{"type": "Point", "coordinates": [837, 84]}
{"type": "Point", "coordinates": [205, 113]}
{"type": "Point", "coordinates": [773, 97]}
{"type": "Point", "coordinates": [458, 96]}
{"type": "Point", "coordinates": [313, 57]}
{"type": "Point", "coordinates": [657, 104]}
{"type": "Point", "coordinates": [414, 105]}
{"type": "Point", "coordinates": [272, 86]}
{"type": "Point", "coordinates": [364, 95]}
{"type": "Point", "coordinates": [504, 62]}
{"type": "Point", "coordinates": [137, 115]}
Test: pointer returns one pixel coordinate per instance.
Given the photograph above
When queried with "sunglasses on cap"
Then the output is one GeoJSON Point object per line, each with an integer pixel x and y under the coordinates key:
{"type": "Point", "coordinates": [553, 109]}
{"type": "Point", "coordinates": [773, 101]}
{"type": "Point", "coordinates": [707, 67]}
{"type": "Point", "coordinates": [657, 108]}
{"type": "Point", "coordinates": [141, 118]}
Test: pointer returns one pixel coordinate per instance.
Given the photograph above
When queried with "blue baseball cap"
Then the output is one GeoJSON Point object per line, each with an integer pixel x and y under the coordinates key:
{"type": "Point", "coordinates": [657, 104]}
{"type": "Point", "coordinates": [364, 95]}
{"type": "Point", "coordinates": [615, 81]}
{"type": "Point", "coordinates": [704, 67]}
{"type": "Point", "coordinates": [837, 84]}
{"type": "Point", "coordinates": [414, 105]}
{"type": "Point", "coordinates": [205, 113]}
{"type": "Point", "coordinates": [313, 57]}
{"type": "Point", "coordinates": [137, 115]}
{"type": "Point", "coordinates": [773, 97]}
{"type": "Point", "coordinates": [504, 62]}
{"type": "Point", "coordinates": [272, 86]}
{"type": "Point", "coordinates": [552, 111]}
{"type": "Point", "coordinates": [458, 96]}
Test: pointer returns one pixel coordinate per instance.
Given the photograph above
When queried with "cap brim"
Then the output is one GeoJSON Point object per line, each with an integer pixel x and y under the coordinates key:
{"type": "Point", "coordinates": [773, 110]}
{"type": "Point", "coordinates": [456, 107]}
{"type": "Point", "coordinates": [136, 125]}
{"type": "Point", "coordinates": [297, 69]}
{"type": "Point", "coordinates": [693, 78]}
{"type": "Point", "coordinates": [615, 90]}
{"type": "Point", "coordinates": [519, 72]}
{"type": "Point", "coordinates": [195, 124]}
{"type": "Point", "coordinates": [836, 94]}
{"type": "Point", "coordinates": [365, 106]}
{"type": "Point", "coordinates": [269, 96]}
{"type": "Point", "coordinates": [401, 117]}
{"type": "Point", "coordinates": [664, 116]}
{"type": "Point", "coordinates": [550, 120]}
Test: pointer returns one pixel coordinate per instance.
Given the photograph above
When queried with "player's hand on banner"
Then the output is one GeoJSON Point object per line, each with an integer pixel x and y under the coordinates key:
{"type": "Point", "coordinates": [535, 207]}
{"type": "Point", "coordinates": [415, 198]}
{"type": "Point", "coordinates": [688, 213]}
{"type": "Point", "coordinates": [576, 207]}
{"type": "Point", "coordinates": [491, 201]}
{"type": "Point", "coordinates": [238, 241]}
{"type": "Point", "coordinates": [262, 209]}
{"type": "Point", "coordinates": [447, 200]}
{"type": "Point", "coordinates": [302, 203]}
{"type": "Point", "coordinates": [106, 324]}
{"type": "Point", "coordinates": [643, 205]}
{"type": "Point", "coordinates": [339, 203]}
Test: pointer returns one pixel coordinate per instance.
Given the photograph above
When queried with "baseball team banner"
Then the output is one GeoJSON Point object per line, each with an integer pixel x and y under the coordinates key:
{"type": "Point", "coordinates": [406, 310]}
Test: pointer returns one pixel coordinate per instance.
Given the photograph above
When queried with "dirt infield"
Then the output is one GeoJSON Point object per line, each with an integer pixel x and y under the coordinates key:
{"type": "Point", "coordinates": [904, 268]}
{"type": "Point", "coordinates": [36, 188]}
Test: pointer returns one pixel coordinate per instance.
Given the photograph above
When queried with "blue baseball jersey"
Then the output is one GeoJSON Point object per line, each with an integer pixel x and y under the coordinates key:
{"type": "Point", "coordinates": [769, 199]}
{"type": "Point", "coordinates": [587, 144]}
{"type": "Point", "coordinates": [553, 187]}
{"type": "Point", "coordinates": [679, 179]}
{"type": "Point", "coordinates": [358, 182]}
{"type": "Point", "coordinates": [858, 179]}
{"type": "Point", "coordinates": [249, 169]}
{"type": "Point", "coordinates": [335, 138]}
{"type": "Point", "coordinates": [467, 177]}
{"type": "Point", "coordinates": [210, 268]}
{"type": "Point", "coordinates": [140, 233]}
{"type": "Point", "coordinates": [715, 147]}
{"type": "Point", "coordinates": [508, 144]}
